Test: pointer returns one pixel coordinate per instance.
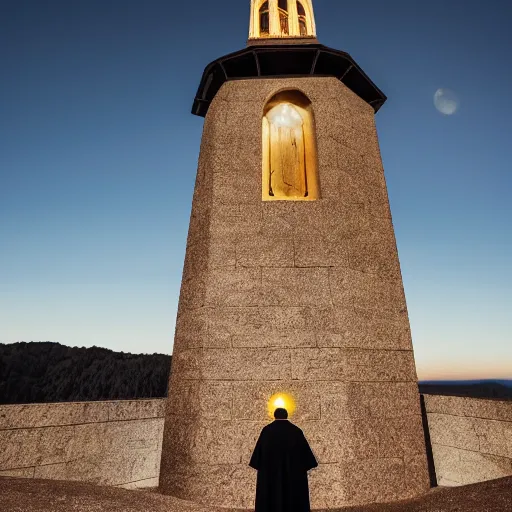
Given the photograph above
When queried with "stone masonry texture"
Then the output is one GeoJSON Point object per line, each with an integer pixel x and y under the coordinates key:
{"type": "Point", "coordinates": [116, 443]}
{"type": "Point", "coordinates": [300, 297]}
{"type": "Point", "coordinates": [471, 438]}
{"type": "Point", "coordinates": [20, 495]}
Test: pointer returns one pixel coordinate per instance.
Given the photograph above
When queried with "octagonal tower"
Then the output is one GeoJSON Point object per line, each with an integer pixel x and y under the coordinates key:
{"type": "Point", "coordinates": [291, 283]}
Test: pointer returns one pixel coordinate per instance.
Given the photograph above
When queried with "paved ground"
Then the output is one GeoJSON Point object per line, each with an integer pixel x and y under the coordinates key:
{"type": "Point", "coordinates": [31, 495]}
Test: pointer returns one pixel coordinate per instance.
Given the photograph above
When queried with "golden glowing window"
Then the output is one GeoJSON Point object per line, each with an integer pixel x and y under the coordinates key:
{"type": "Point", "coordinates": [303, 26]}
{"type": "Point", "coordinates": [289, 149]}
{"type": "Point", "coordinates": [283, 17]}
{"type": "Point", "coordinates": [264, 20]}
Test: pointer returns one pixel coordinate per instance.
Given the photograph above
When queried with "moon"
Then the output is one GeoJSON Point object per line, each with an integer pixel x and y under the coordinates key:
{"type": "Point", "coordinates": [446, 101]}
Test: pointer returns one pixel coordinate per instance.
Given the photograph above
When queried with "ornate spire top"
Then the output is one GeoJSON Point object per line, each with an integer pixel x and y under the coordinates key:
{"type": "Point", "coordinates": [281, 19]}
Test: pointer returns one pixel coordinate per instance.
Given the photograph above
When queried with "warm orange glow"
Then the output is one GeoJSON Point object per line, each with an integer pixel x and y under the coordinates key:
{"type": "Point", "coordinates": [283, 400]}
{"type": "Point", "coordinates": [464, 368]}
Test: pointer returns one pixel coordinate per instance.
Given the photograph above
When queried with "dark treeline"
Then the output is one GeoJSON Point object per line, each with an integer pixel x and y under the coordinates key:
{"type": "Point", "coordinates": [51, 372]}
{"type": "Point", "coordinates": [484, 389]}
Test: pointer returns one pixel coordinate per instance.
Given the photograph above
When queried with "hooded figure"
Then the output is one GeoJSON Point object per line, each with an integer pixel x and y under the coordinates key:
{"type": "Point", "coordinates": [282, 457]}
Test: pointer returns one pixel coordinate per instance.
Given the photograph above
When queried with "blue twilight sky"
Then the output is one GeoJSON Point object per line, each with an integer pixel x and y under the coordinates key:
{"type": "Point", "coordinates": [98, 154]}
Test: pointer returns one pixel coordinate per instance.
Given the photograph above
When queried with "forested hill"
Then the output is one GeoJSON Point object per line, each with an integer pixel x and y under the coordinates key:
{"type": "Point", "coordinates": [51, 372]}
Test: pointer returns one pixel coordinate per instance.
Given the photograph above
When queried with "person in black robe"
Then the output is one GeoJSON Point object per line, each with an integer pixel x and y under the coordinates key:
{"type": "Point", "coordinates": [282, 457]}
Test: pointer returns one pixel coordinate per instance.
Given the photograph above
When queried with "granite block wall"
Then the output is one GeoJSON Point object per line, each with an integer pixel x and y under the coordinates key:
{"type": "Point", "coordinates": [471, 438]}
{"type": "Point", "coordinates": [302, 297]}
{"type": "Point", "coordinates": [114, 443]}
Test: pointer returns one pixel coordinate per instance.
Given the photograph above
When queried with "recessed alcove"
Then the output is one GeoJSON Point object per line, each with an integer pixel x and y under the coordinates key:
{"type": "Point", "coordinates": [289, 154]}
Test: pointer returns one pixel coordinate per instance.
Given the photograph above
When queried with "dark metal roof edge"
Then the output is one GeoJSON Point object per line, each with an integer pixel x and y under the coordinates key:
{"type": "Point", "coordinates": [201, 105]}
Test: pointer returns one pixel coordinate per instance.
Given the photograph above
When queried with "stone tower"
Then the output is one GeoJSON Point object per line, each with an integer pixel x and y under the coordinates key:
{"type": "Point", "coordinates": [291, 292]}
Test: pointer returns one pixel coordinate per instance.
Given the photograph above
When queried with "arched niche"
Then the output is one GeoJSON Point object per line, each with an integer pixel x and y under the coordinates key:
{"type": "Point", "coordinates": [303, 21]}
{"type": "Point", "coordinates": [284, 26]}
{"type": "Point", "coordinates": [264, 20]}
{"type": "Point", "coordinates": [306, 18]}
{"type": "Point", "coordinates": [289, 153]}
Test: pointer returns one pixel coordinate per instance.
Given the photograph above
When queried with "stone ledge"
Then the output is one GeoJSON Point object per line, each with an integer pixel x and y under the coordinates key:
{"type": "Point", "coordinates": [456, 466]}
{"type": "Point", "coordinates": [469, 407]}
{"type": "Point", "coordinates": [21, 495]}
{"type": "Point", "coordinates": [22, 416]}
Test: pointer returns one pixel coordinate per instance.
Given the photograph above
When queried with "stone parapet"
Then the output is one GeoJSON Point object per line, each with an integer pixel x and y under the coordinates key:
{"type": "Point", "coordinates": [114, 443]}
{"type": "Point", "coordinates": [471, 438]}
{"type": "Point", "coordinates": [118, 443]}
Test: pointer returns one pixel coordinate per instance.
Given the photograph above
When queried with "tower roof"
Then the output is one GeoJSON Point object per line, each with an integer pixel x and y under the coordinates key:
{"type": "Point", "coordinates": [281, 61]}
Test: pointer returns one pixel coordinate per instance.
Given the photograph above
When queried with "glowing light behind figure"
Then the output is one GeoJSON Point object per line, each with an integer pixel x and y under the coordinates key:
{"type": "Point", "coordinates": [283, 400]}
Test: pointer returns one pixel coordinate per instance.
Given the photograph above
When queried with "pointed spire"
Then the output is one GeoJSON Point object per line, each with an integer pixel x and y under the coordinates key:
{"type": "Point", "coordinates": [282, 19]}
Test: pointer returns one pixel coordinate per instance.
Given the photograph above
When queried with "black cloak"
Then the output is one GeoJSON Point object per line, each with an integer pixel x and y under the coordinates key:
{"type": "Point", "coordinates": [282, 457]}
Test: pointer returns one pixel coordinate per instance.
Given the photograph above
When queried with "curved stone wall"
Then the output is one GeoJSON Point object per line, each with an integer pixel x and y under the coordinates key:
{"type": "Point", "coordinates": [110, 443]}
{"type": "Point", "coordinates": [471, 438]}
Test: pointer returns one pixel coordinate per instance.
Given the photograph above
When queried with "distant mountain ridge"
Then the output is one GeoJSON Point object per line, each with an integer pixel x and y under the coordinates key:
{"type": "Point", "coordinates": [454, 382]}
{"type": "Point", "coordinates": [499, 389]}
{"type": "Point", "coordinates": [38, 372]}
